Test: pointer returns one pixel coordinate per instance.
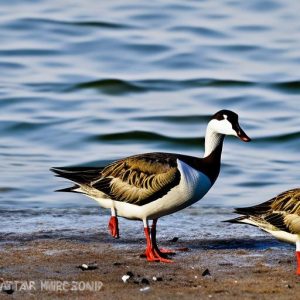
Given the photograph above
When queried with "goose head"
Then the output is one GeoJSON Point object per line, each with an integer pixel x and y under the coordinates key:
{"type": "Point", "coordinates": [226, 122]}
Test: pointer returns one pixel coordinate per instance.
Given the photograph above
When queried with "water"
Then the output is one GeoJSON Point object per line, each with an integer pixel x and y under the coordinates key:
{"type": "Point", "coordinates": [86, 83]}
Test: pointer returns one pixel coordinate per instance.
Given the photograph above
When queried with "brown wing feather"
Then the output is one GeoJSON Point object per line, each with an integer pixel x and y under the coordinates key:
{"type": "Point", "coordinates": [284, 211]}
{"type": "Point", "coordinates": [288, 202]}
{"type": "Point", "coordinates": [292, 222]}
{"type": "Point", "coordinates": [139, 179]}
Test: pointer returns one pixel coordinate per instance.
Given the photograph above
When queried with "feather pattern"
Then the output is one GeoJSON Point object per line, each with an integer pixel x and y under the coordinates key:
{"type": "Point", "coordinates": [281, 213]}
{"type": "Point", "coordinates": [138, 179]}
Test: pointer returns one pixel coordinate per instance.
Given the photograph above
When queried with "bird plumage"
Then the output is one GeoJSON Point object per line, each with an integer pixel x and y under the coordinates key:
{"type": "Point", "coordinates": [279, 216]}
{"type": "Point", "coordinates": [151, 185]}
{"type": "Point", "coordinates": [279, 213]}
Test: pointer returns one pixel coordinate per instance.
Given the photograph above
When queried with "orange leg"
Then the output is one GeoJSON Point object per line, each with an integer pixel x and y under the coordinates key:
{"type": "Point", "coordinates": [113, 226]}
{"type": "Point", "coordinates": [151, 253]}
{"type": "Point", "coordinates": [161, 252]}
{"type": "Point", "coordinates": [298, 262]}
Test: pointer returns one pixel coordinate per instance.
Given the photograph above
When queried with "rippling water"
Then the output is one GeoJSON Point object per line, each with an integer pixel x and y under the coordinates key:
{"type": "Point", "coordinates": [87, 82]}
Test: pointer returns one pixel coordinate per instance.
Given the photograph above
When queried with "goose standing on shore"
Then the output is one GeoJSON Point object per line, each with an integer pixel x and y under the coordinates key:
{"type": "Point", "coordinates": [148, 186]}
{"type": "Point", "coordinates": [279, 216]}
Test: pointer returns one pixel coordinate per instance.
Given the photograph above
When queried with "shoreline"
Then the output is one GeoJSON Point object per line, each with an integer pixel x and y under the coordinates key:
{"type": "Point", "coordinates": [237, 268]}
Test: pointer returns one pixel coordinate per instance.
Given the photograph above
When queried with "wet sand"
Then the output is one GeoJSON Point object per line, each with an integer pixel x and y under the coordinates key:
{"type": "Point", "coordinates": [235, 270]}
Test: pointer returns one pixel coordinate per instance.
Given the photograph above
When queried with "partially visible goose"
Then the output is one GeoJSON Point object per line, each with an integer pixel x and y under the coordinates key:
{"type": "Point", "coordinates": [279, 216]}
{"type": "Point", "coordinates": [148, 186]}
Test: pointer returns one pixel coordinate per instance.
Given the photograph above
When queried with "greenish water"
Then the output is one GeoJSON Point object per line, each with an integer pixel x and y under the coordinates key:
{"type": "Point", "coordinates": [83, 83]}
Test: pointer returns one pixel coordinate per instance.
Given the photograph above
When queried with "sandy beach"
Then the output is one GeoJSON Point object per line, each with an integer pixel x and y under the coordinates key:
{"type": "Point", "coordinates": [234, 271]}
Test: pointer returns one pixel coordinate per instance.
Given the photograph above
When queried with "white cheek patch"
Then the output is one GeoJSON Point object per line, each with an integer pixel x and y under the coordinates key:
{"type": "Point", "coordinates": [225, 117]}
{"type": "Point", "coordinates": [223, 127]}
{"type": "Point", "coordinates": [226, 127]}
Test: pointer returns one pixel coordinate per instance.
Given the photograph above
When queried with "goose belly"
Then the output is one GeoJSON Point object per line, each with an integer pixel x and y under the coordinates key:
{"type": "Point", "coordinates": [284, 236]}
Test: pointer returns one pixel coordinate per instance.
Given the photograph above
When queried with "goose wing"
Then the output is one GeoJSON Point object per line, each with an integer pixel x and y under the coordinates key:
{"type": "Point", "coordinates": [139, 179]}
{"type": "Point", "coordinates": [282, 211]}
{"type": "Point", "coordinates": [288, 202]}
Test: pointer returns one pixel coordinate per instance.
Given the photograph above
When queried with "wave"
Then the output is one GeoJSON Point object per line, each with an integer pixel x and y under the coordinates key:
{"type": "Point", "coordinates": [110, 86]}
{"type": "Point", "coordinates": [31, 22]}
{"type": "Point", "coordinates": [116, 86]}
{"type": "Point", "coordinates": [286, 137]}
{"type": "Point", "coordinates": [147, 136]}
{"type": "Point", "coordinates": [287, 86]}
{"type": "Point", "coordinates": [187, 119]}
{"type": "Point", "coordinates": [119, 86]}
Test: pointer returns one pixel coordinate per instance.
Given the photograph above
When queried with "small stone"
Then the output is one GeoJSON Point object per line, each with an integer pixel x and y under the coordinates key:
{"type": "Point", "coordinates": [145, 281]}
{"type": "Point", "coordinates": [92, 267]}
{"type": "Point", "coordinates": [154, 278]}
{"type": "Point", "coordinates": [117, 264]}
{"type": "Point", "coordinates": [206, 273]}
{"type": "Point", "coordinates": [196, 276]}
{"type": "Point", "coordinates": [145, 289]}
{"type": "Point", "coordinates": [174, 239]}
{"type": "Point", "coordinates": [225, 264]}
{"type": "Point", "coordinates": [125, 278]}
{"type": "Point", "coordinates": [136, 282]}
{"type": "Point", "coordinates": [8, 291]}
{"type": "Point", "coordinates": [130, 274]}
{"type": "Point", "coordinates": [288, 286]}
{"type": "Point", "coordinates": [85, 267]}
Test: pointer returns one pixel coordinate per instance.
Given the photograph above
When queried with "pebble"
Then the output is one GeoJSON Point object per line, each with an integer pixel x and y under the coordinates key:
{"type": "Point", "coordinates": [206, 273]}
{"type": "Point", "coordinates": [130, 274]}
{"type": "Point", "coordinates": [145, 281]}
{"type": "Point", "coordinates": [154, 278]}
{"type": "Point", "coordinates": [86, 267]}
{"type": "Point", "coordinates": [125, 278]}
{"type": "Point", "coordinates": [8, 291]}
{"type": "Point", "coordinates": [288, 286]}
{"type": "Point", "coordinates": [145, 289]}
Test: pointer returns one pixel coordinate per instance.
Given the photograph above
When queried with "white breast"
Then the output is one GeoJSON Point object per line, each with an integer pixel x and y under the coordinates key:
{"type": "Point", "coordinates": [192, 187]}
{"type": "Point", "coordinates": [194, 184]}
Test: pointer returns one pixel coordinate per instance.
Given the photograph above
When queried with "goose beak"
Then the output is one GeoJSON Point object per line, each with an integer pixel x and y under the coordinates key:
{"type": "Point", "coordinates": [241, 134]}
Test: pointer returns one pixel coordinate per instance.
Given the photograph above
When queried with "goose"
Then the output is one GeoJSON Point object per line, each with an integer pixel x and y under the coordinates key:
{"type": "Point", "coordinates": [152, 185]}
{"type": "Point", "coordinates": [279, 216]}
